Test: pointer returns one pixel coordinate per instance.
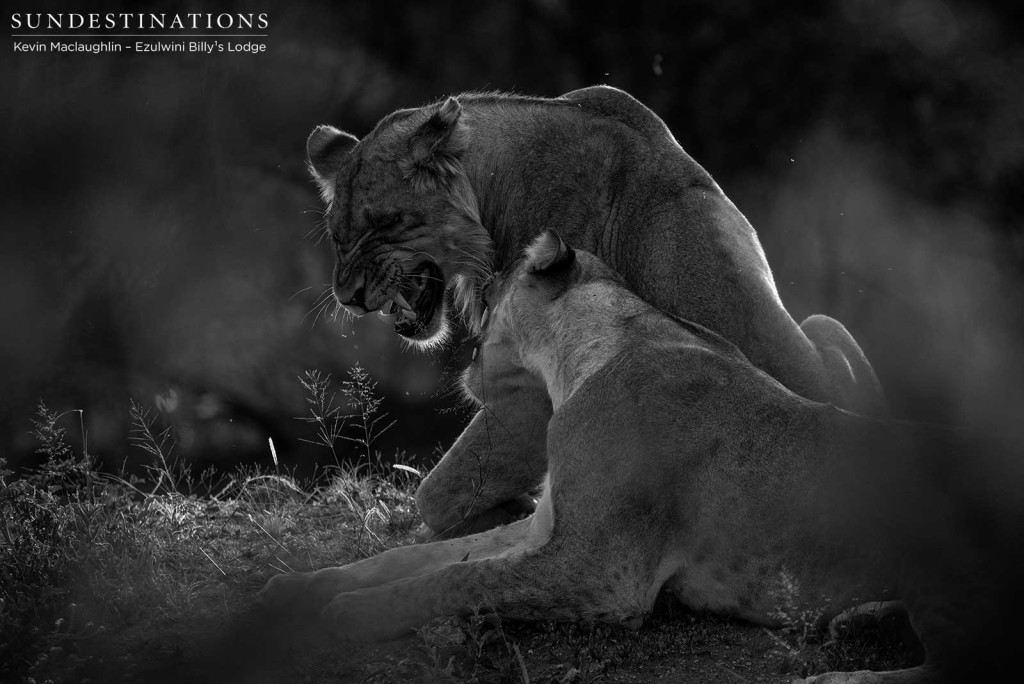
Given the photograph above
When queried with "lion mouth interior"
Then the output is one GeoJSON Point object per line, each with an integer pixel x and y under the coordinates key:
{"type": "Point", "coordinates": [422, 292]}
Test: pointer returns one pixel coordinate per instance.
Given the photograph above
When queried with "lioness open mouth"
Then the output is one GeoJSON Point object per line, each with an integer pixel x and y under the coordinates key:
{"type": "Point", "coordinates": [418, 300]}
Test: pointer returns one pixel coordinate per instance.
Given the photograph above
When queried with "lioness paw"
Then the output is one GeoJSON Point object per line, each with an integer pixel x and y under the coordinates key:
{"type": "Point", "coordinates": [284, 593]}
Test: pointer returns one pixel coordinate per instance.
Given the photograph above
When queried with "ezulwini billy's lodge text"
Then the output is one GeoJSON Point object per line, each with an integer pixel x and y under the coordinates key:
{"type": "Point", "coordinates": [148, 46]}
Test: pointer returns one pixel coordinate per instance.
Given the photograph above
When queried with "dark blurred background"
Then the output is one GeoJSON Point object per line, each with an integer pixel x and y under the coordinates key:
{"type": "Point", "coordinates": [159, 236]}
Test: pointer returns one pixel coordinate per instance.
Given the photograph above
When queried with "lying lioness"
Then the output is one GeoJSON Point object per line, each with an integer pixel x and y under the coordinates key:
{"type": "Point", "coordinates": [673, 462]}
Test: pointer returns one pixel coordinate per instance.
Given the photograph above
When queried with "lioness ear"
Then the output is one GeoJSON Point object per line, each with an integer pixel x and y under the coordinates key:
{"type": "Point", "coordinates": [327, 149]}
{"type": "Point", "coordinates": [548, 251]}
{"type": "Point", "coordinates": [434, 148]}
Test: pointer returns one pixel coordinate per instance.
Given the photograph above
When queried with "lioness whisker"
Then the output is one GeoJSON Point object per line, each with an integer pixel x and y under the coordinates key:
{"type": "Point", "coordinates": [320, 298]}
{"type": "Point", "coordinates": [305, 289]}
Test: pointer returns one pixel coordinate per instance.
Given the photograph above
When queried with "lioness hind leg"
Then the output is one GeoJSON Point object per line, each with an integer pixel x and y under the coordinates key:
{"type": "Point", "coordinates": [299, 593]}
{"type": "Point", "coordinates": [851, 378]}
{"type": "Point", "coordinates": [482, 481]}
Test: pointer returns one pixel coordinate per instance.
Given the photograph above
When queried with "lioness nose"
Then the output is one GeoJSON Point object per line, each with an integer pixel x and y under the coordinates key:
{"type": "Point", "coordinates": [352, 294]}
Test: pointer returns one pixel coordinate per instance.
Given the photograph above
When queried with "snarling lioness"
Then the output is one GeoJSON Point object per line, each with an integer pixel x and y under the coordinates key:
{"type": "Point", "coordinates": [439, 197]}
{"type": "Point", "coordinates": [673, 462]}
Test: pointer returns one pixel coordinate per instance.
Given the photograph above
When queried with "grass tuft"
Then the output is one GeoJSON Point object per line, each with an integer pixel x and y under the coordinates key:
{"type": "Point", "coordinates": [86, 555]}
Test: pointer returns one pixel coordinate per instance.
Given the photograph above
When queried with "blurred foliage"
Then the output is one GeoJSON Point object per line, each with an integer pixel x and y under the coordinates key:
{"type": "Point", "coordinates": [155, 206]}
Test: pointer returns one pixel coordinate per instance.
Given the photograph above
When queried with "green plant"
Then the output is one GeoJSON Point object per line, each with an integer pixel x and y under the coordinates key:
{"type": "Point", "coordinates": [40, 516]}
{"type": "Point", "coordinates": [798, 620]}
{"type": "Point", "coordinates": [159, 443]}
{"type": "Point", "coordinates": [323, 411]}
{"type": "Point", "coordinates": [361, 392]}
{"type": "Point", "coordinates": [380, 496]}
{"type": "Point", "coordinates": [800, 626]}
{"type": "Point", "coordinates": [62, 473]}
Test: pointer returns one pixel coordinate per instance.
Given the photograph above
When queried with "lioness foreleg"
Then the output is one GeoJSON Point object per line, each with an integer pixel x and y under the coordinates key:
{"type": "Point", "coordinates": [308, 592]}
{"type": "Point", "coordinates": [484, 478]}
{"type": "Point", "coordinates": [549, 582]}
{"type": "Point", "coordinates": [914, 675]}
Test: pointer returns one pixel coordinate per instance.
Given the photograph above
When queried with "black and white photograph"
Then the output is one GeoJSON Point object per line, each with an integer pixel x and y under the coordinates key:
{"type": "Point", "coordinates": [534, 341]}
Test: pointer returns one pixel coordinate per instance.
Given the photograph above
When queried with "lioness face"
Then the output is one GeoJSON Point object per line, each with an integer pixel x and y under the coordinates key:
{"type": "Point", "coordinates": [402, 218]}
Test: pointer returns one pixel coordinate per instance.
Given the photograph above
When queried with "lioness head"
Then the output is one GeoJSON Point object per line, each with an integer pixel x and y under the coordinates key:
{"type": "Point", "coordinates": [402, 218]}
{"type": "Point", "coordinates": [525, 305]}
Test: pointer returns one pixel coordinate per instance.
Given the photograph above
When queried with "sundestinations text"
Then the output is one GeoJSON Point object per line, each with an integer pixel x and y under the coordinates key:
{"type": "Point", "coordinates": [94, 21]}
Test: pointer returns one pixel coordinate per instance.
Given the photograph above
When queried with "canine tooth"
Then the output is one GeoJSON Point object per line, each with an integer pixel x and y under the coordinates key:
{"type": "Point", "coordinates": [400, 301]}
{"type": "Point", "coordinates": [484, 317]}
{"type": "Point", "coordinates": [385, 308]}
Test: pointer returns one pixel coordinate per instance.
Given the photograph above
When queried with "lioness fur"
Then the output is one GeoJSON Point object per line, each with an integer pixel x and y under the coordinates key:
{"type": "Point", "coordinates": [443, 195]}
{"type": "Point", "coordinates": [675, 462]}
